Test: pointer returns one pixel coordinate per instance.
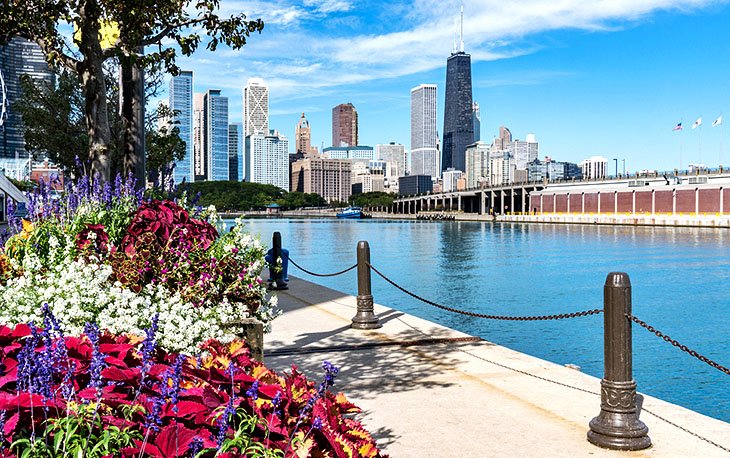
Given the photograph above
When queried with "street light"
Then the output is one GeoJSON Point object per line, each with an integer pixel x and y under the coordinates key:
{"type": "Point", "coordinates": [623, 161]}
{"type": "Point", "coordinates": [615, 161]}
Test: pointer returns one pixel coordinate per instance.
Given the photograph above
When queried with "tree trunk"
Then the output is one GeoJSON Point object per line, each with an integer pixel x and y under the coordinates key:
{"type": "Point", "coordinates": [91, 73]}
{"type": "Point", "coordinates": [132, 111]}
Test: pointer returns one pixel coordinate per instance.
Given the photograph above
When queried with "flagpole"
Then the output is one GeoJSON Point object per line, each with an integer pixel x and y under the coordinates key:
{"type": "Point", "coordinates": [700, 146]}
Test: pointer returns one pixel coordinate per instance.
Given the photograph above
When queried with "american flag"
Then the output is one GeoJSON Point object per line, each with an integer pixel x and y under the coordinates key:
{"type": "Point", "coordinates": [678, 127]}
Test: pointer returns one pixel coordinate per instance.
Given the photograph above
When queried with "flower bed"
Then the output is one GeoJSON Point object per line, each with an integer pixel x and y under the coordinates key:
{"type": "Point", "coordinates": [149, 365]}
{"type": "Point", "coordinates": [103, 255]}
{"type": "Point", "coordinates": [101, 395]}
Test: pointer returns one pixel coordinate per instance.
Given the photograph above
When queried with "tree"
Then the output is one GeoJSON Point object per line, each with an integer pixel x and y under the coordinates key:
{"type": "Point", "coordinates": [140, 23]}
{"type": "Point", "coordinates": [163, 147]}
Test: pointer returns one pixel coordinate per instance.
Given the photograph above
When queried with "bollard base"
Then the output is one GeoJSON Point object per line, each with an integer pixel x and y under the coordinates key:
{"type": "Point", "coordinates": [629, 436]}
{"type": "Point", "coordinates": [278, 285]}
{"type": "Point", "coordinates": [365, 318]}
{"type": "Point", "coordinates": [617, 426]}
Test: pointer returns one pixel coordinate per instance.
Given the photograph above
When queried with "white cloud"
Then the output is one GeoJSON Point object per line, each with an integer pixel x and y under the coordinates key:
{"type": "Point", "coordinates": [329, 6]}
{"type": "Point", "coordinates": [302, 54]}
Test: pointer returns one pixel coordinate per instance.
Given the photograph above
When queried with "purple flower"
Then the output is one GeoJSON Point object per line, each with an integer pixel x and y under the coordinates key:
{"type": "Point", "coordinates": [173, 375]}
{"type": "Point", "coordinates": [97, 363]}
{"type": "Point", "coordinates": [2, 430]}
{"type": "Point", "coordinates": [195, 446]}
{"type": "Point", "coordinates": [317, 423]}
{"type": "Point", "coordinates": [152, 420]}
{"type": "Point", "coordinates": [253, 392]}
{"type": "Point", "coordinates": [223, 422]}
{"type": "Point", "coordinates": [149, 344]}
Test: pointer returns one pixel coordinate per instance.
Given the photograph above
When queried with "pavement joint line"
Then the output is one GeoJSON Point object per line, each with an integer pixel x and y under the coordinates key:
{"type": "Point", "coordinates": [369, 345]}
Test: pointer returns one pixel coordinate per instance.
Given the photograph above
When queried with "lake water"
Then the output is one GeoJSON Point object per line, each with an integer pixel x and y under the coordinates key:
{"type": "Point", "coordinates": [680, 279]}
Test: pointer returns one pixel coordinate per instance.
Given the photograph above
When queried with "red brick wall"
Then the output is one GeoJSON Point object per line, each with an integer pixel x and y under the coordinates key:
{"type": "Point", "coordinates": [709, 200]}
{"type": "Point", "coordinates": [686, 201]}
{"type": "Point", "coordinates": [547, 203]}
{"type": "Point", "coordinates": [591, 203]}
{"type": "Point", "coordinates": [625, 202]}
{"type": "Point", "coordinates": [726, 200]}
{"type": "Point", "coordinates": [643, 201]}
{"type": "Point", "coordinates": [561, 203]}
{"type": "Point", "coordinates": [663, 202]}
{"type": "Point", "coordinates": [608, 202]}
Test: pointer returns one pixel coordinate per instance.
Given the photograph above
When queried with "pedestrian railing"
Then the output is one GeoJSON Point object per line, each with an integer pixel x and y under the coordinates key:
{"type": "Point", "coordinates": [617, 426]}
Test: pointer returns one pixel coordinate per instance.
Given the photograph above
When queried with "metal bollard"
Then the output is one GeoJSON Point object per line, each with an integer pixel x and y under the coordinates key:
{"type": "Point", "coordinates": [277, 278]}
{"type": "Point", "coordinates": [365, 317]}
{"type": "Point", "coordinates": [618, 426]}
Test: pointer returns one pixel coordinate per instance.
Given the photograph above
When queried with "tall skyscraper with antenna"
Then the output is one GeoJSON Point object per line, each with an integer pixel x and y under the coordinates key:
{"type": "Point", "coordinates": [458, 120]}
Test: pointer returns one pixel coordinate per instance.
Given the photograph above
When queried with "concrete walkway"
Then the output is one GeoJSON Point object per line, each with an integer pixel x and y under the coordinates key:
{"type": "Point", "coordinates": [460, 399]}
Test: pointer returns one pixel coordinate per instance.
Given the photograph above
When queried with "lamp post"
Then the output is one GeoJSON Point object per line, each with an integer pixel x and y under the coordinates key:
{"type": "Point", "coordinates": [623, 162]}
{"type": "Point", "coordinates": [615, 162]}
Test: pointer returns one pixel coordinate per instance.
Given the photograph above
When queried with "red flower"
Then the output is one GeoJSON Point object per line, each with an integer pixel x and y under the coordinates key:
{"type": "Point", "coordinates": [171, 224]}
{"type": "Point", "coordinates": [94, 237]}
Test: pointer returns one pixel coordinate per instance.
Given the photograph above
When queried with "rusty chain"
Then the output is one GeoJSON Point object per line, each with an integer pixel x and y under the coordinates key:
{"type": "Point", "coordinates": [316, 274]}
{"type": "Point", "coordinates": [682, 347]}
{"type": "Point", "coordinates": [481, 315]}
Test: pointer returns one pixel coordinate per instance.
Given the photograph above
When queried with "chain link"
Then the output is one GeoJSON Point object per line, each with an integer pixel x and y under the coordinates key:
{"type": "Point", "coordinates": [316, 274]}
{"type": "Point", "coordinates": [481, 315]}
{"type": "Point", "coordinates": [684, 348]}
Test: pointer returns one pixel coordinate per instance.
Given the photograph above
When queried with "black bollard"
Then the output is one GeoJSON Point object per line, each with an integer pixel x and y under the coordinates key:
{"type": "Point", "coordinates": [365, 317]}
{"type": "Point", "coordinates": [618, 426]}
{"type": "Point", "coordinates": [277, 281]}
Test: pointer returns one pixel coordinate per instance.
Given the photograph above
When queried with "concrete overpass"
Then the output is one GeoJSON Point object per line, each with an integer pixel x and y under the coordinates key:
{"type": "Point", "coordinates": [492, 200]}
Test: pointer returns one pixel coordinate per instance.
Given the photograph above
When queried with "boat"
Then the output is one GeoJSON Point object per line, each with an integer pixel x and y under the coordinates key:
{"type": "Point", "coordinates": [351, 213]}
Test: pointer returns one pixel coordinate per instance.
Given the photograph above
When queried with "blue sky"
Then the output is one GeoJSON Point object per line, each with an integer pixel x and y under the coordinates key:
{"type": "Point", "coordinates": [587, 77]}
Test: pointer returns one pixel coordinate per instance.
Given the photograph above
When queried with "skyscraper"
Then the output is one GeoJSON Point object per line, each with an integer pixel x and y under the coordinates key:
{"type": "Point", "coordinates": [344, 125]}
{"type": "Point", "coordinates": [394, 154]}
{"type": "Point", "coordinates": [267, 159]}
{"type": "Point", "coordinates": [181, 104]}
{"type": "Point", "coordinates": [200, 163]}
{"type": "Point", "coordinates": [425, 159]}
{"type": "Point", "coordinates": [255, 107]}
{"type": "Point", "coordinates": [458, 119]}
{"type": "Point", "coordinates": [304, 137]}
{"type": "Point", "coordinates": [235, 151]}
{"type": "Point", "coordinates": [19, 57]}
{"type": "Point", "coordinates": [216, 134]}
{"type": "Point", "coordinates": [476, 121]}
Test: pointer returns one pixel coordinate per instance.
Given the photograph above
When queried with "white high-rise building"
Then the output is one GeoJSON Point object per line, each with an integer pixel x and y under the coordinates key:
{"type": "Point", "coordinates": [267, 159]}
{"type": "Point", "coordinates": [594, 167]}
{"type": "Point", "coordinates": [425, 155]}
{"type": "Point", "coordinates": [200, 165]}
{"type": "Point", "coordinates": [524, 152]}
{"type": "Point", "coordinates": [450, 180]}
{"type": "Point", "coordinates": [393, 153]}
{"type": "Point", "coordinates": [256, 107]}
{"type": "Point", "coordinates": [477, 164]}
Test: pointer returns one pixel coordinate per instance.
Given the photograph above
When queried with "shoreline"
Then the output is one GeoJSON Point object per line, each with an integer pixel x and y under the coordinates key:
{"type": "Point", "coordinates": [609, 219]}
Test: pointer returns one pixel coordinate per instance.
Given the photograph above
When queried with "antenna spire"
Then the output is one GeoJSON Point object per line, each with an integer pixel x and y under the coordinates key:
{"type": "Point", "coordinates": [461, 33]}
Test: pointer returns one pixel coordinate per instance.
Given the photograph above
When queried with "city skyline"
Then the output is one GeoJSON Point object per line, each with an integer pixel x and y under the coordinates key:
{"type": "Point", "coordinates": [617, 78]}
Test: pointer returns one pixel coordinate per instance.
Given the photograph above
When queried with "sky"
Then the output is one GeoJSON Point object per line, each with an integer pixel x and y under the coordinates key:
{"type": "Point", "coordinates": [587, 77]}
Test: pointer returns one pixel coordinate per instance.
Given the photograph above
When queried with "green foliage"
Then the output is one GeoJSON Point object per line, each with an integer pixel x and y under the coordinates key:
{"type": "Point", "coordinates": [240, 196]}
{"type": "Point", "coordinates": [163, 147]}
{"type": "Point", "coordinates": [372, 199]}
{"type": "Point", "coordinates": [161, 26]}
{"type": "Point", "coordinates": [24, 186]}
{"type": "Point", "coordinates": [53, 119]}
{"type": "Point", "coordinates": [79, 434]}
